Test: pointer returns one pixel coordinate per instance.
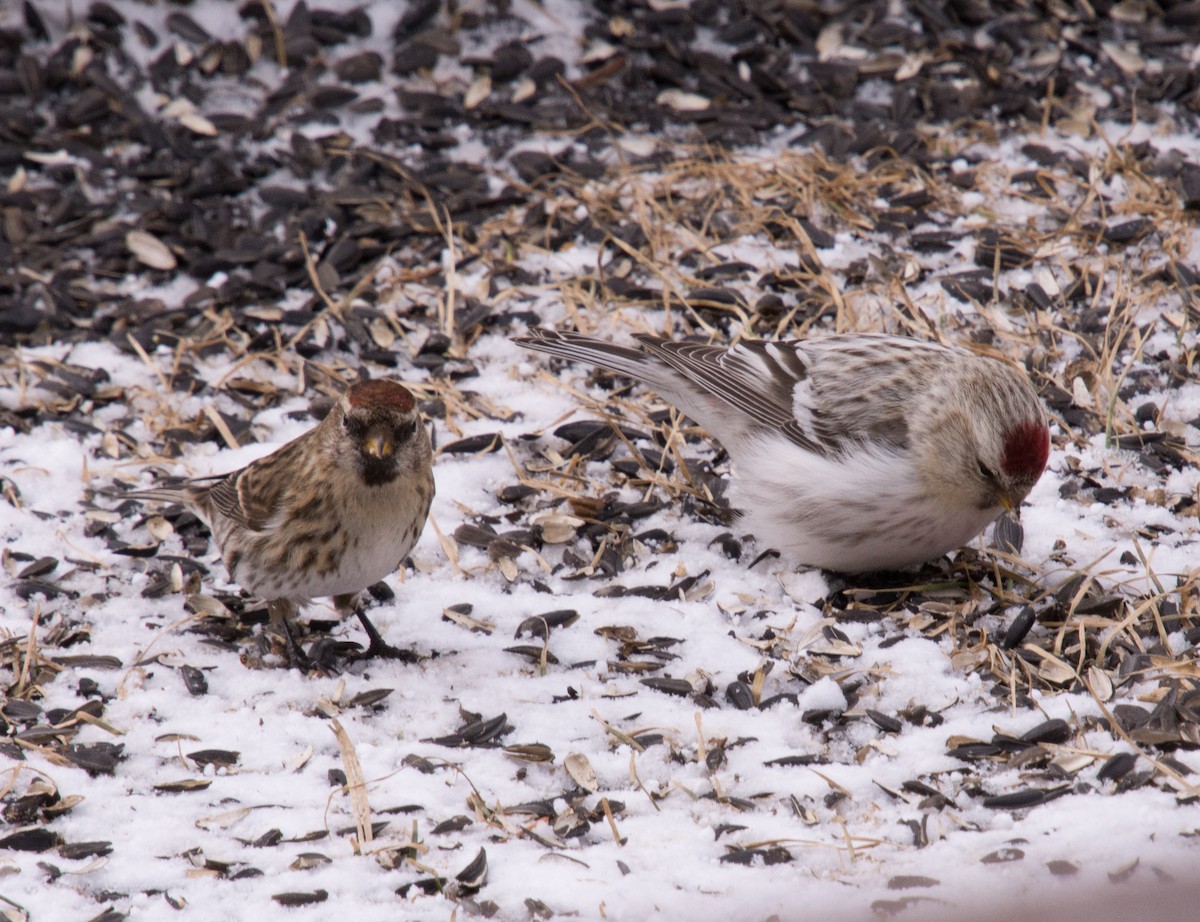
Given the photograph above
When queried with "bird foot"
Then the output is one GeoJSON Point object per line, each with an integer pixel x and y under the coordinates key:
{"type": "Point", "coordinates": [384, 650]}
{"type": "Point", "coordinates": [378, 648]}
{"type": "Point", "coordinates": [295, 657]}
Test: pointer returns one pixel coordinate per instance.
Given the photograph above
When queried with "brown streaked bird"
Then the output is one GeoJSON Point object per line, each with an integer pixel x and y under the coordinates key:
{"type": "Point", "coordinates": [852, 452]}
{"type": "Point", "coordinates": [328, 514]}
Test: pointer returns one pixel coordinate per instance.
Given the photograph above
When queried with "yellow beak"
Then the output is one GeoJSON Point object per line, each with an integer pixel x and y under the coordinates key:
{"type": "Point", "coordinates": [378, 444]}
{"type": "Point", "coordinates": [1007, 504]}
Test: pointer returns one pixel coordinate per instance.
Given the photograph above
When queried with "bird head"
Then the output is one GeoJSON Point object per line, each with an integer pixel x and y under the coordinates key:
{"type": "Point", "coordinates": [1010, 473]}
{"type": "Point", "coordinates": [380, 429]}
{"type": "Point", "coordinates": [989, 445]}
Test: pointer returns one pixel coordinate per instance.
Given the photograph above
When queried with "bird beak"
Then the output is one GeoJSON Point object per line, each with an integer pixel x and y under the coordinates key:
{"type": "Point", "coordinates": [378, 444]}
{"type": "Point", "coordinates": [1008, 504]}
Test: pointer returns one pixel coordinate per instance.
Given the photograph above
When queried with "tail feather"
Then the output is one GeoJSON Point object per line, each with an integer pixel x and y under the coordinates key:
{"type": "Point", "coordinates": [164, 494]}
{"type": "Point", "coordinates": [625, 360]}
{"type": "Point", "coordinates": [186, 490]}
{"type": "Point", "coordinates": [684, 374]}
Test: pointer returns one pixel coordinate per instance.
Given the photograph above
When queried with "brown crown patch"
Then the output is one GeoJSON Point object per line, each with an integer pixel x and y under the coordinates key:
{"type": "Point", "coordinates": [380, 393]}
{"type": "Point", "coordinates": [1026, 449]}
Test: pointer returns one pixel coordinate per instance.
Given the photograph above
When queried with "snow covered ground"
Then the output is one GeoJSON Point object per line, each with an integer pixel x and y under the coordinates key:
{"type": "Point", "coordinates": [696, 735]}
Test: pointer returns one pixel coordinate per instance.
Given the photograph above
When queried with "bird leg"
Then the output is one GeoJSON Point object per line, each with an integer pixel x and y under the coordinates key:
{"type": "Point", "coordinates": [282, 612]}
{"type": "Point", "coordinates": [377, 646]}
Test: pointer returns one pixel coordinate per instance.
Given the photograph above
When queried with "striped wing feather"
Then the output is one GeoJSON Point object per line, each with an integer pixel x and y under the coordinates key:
{"type": "Point", "coordinates": [252, 496]}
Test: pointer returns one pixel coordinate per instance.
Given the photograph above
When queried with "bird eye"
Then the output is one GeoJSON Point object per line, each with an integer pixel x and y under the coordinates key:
{"type": "Point", "coordinates": [986, 472]}
{"type": "Point", "coordinates": [405, 429]}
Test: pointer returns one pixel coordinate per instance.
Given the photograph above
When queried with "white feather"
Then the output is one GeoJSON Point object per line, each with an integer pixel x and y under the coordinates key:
{"type": "Point", "coordinates": [827, 510]}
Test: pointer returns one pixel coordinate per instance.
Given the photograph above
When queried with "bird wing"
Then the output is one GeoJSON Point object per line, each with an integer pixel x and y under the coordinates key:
{"type": "Point", "coordinates": [863, 385]}
{"type": "Point", "coordinates": [825, 394]}
{"type": "Point", "coordinates": [756, 378]}
{"type": "Point", "coordinates": [225, 499]}
{"type": "Point", "coordinates": [252, 496]}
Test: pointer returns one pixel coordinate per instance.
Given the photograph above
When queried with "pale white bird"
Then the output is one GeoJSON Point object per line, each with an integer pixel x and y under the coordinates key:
{"type": "Point", "coordinates": [852, 452]}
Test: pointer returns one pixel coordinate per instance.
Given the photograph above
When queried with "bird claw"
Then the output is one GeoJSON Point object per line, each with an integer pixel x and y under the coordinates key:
{"type": "Point", "coordinates": [387, 651]}
{"type": "Point", "coordinates": [297, 659]}
{"type": "Point", "coordinates": [329, 655]}
{"type": "Point", "coordinates": [294, 655]}
{"type": "Point", "coordinates": [384, 650]}
{"type": "Point", "coordinates": [378, 648]}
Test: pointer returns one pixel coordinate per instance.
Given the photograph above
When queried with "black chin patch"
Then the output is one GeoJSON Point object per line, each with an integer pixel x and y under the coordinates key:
{"type": "Point", "coordinates": [378, 471]}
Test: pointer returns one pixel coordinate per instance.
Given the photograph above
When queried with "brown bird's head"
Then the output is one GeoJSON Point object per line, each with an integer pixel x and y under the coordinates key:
{"type": "Point", "coordinates": [380, 430]}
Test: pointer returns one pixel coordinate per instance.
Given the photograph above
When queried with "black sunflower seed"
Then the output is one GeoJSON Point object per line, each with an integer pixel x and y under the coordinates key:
{"type": "Point", "coordinates": [454, 824]}
{"type": "Point", "coordinates": [1019, 627]}
{"type": "Point", "coordinates": [1029, 797]}
{"type": "Point", "coordinates": [219, 757]}
{"type": "Point", "coordinates": [194, 680]}
{"type": "Point", "coordinates": [911, 881]}
{"type": "Point", "coordinates": [95, 758]}
{"type": "Point", "coordinates": [680, 687]}
{"type": "Point", "coordinates": [475, 444]}
{"type": "Point", "coordinates": [294, 898]}
{"type": "Point", "coordinates": [39, 839]}
{"type": "Point", "coordinates": [75, 851]}
{"type": "Point", "coordinates": [474, 875]}
{"type": "Point", "coordinates": [540, 625]}
{"type": "Point", "coordinates": [1003, 856]}
{"type": "Point", "coordinates": [1117, 766]}
{"type": "Point", "coordinates": [21, 711]}
{"type": "Point", "coordinates": [1008, 534]}
{"type": "Point", "coordinates": [516, 492]}
{"type": "Point", "coordinates": [481, 732]}
{"type": "Point", "coordinates": [187, 28]}
{"type": "Point", "coordinates": [884, 722]}
{"type": "Point", "coordinates": [1050, 731]}
{"type": "Point", "coordinates": [739, 695]}
{"type": "Point", "coordinates": [534, 654]}
{"type": "Point", "coordinates": [368, 698]}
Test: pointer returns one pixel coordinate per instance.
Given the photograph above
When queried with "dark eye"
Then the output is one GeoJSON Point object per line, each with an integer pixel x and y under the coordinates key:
{"type": "Point", "coordinates": [986, 472]}
{"type": "Point", "coordinates": [405, 430]}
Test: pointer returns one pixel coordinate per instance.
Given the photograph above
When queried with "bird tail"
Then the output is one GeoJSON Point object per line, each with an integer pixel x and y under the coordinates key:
{"type": "Point", "coordinates": [164, 494]}
{"type": "Point", "coordinates": [171, 490]}
{"type": "Point", "coordinates": [625, 360]}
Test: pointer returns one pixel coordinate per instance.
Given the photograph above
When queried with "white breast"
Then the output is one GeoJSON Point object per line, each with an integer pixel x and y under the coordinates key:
{"type": "Point", "coordinates": [865, 510]}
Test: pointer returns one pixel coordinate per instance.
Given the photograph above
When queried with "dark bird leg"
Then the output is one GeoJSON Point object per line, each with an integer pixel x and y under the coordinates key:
{"type": "Point", "coordinates": [377, 645]}
{"type": "Point", "coordinates": [282, 612]}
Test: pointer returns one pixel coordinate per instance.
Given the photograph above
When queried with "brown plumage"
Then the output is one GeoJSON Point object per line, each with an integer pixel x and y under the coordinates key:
{"type": "Point", "coordinates": [329, 513]}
